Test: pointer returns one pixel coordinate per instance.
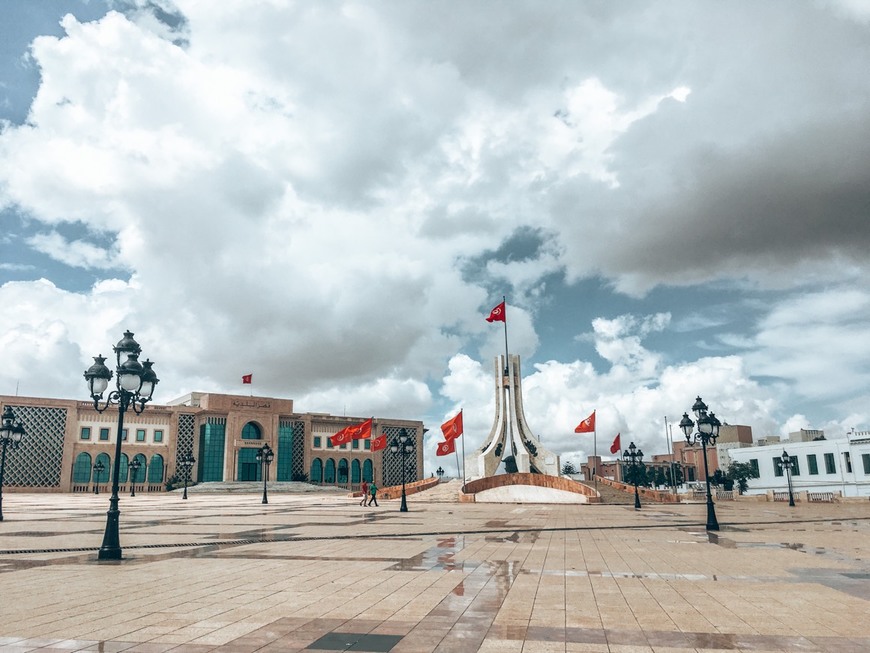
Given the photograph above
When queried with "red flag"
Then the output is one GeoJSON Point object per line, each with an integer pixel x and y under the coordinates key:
{"type": "Point", "coordinates": [615, 447]}
{"type": "Point", "coordinates": [497, 314]}
{"type": "Point", "coordinates": [452, 428]}
{"type": "Point", "coordinates": [446, 447]}
{"type": "Point", "coordinates": [342, 437]}
{"type": "Point", "coordinates": [379, 442]}
{"type": "Point", "coordinates": [587, 425]}
{"type": "Point", "coordinates": [361, 431]}
{"type": "Point", "coordinates": [247, 378]}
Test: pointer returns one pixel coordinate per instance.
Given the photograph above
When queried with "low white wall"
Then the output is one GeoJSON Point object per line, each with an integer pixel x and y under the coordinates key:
{"type": "Point", "coordinates": [527, 494]}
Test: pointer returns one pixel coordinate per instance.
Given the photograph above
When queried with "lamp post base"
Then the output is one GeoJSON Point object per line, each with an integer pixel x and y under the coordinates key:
{"type": "Point", "coordinates": [111, 548]}
{"type": "Point", "coordinates": [712, 522]}
{"type": "Point", "coordinates": [404, 506]}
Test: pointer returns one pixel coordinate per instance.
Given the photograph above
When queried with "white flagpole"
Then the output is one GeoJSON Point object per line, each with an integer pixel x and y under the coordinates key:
{"type": "Point", "coordinates": [595, 451]}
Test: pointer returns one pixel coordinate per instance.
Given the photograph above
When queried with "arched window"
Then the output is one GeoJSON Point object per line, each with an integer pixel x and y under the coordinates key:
{"type": "Point", "coordinates": [143, 464]}
{"type": "Point", "coordinates": [251, 432]}
{"type": "Point", "coordinates": [342, 471]}
{"type": "Point", "coordinates": [368, 474]}
{"type": "Point", "coordinates": [155, 469]}
{"type": "Point", "coordinates": [82, 468]}
{"type": "Point", "coordinates": [316, 475]}
{"type": "Point", "coordinates": [122, 473]}
{"type": "Point", "coordinates": [106, 475]}
{"type": "Point", "coordinates": [329, 472]}
{"type": "Point", "coordinates": [354, 471]}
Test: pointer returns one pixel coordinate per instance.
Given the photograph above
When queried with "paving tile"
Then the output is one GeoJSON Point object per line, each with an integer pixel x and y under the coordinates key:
{"type": "Point", "coordinates": [443, 577]}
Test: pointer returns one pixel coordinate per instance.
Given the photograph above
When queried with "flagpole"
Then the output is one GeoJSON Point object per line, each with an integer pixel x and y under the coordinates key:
{"type": "Point", "coordinates": [595, 450]}
{"type": "Point", "coordinates": [506, 366]}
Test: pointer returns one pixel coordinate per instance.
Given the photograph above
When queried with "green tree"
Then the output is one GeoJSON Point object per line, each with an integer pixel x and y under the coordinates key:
{"type": "Point", "coordinates": [740, 473]}
{"type": "Point", "coordinates": [568, 468]}
{"type": "Point", "coordinates": [660, 478]}
{"type": "Point", "coordinates": [678, 474]}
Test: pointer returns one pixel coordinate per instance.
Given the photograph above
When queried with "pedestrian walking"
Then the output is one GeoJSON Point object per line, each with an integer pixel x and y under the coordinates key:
{"type": "Point", "coordinates": [373, 494]}
{"type": "Point", "coordinates": [365, 493]}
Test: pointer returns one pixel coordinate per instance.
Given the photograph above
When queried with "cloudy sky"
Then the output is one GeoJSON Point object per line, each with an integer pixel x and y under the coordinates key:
{"type": "Point", "coordinates": [674, 198]}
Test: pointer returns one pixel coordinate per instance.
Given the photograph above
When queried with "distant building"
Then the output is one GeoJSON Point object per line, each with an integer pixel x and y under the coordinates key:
{"type": "Point", "coordinates": [806, 435]}
{"type": "Point", "coordinates": [65, 438]}
{"type": "Point", "coordinates": [768, 439]}
{"type": "Point", "coordinates": [841, 465]}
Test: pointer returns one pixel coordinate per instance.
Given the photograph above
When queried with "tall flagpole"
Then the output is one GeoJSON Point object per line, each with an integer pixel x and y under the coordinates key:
{"type": "Point", "coordinates": [506, 366]}
{"type": "Point", "coordinates": [595, 451]}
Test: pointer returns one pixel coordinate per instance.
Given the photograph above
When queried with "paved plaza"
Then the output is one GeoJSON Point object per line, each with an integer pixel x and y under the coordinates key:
{"type": "Point", "coordinates": [315, 571]}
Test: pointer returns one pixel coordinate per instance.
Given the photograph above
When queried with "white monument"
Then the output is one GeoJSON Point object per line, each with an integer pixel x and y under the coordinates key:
{"type": "Point", "coordinates": [510, 434]}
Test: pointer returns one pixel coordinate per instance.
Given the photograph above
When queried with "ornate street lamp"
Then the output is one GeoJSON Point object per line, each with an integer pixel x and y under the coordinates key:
{"type": "Point", "coordinates": [186, 463]}
{"type": "Point", "coordinates": [265, 456]}
{"type": "Point", "coordinates": [708, 431]}
{"type": "Point", "coordinates": [135, 384]}
{"type": "Point", "coordinates": [99, 468]}
{"type": "Point", "coordinates": [440, 473]}
{"type": "Point", "coordinates": [786, 463]}
{"type": "Point", "coordinates": [633, 457]}
{"type": "Point", "coordinates": [403, 445]}
{"type": "Point", "coordinates": [135, 464]}
{"type": "Point", "coordinates": [11, 432]}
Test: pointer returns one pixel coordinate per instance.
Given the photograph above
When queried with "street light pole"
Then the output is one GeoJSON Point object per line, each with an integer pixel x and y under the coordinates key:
{"type": "Point", "coordinates": [99, 467]}
{"type": "Point", "coordinates": [265, 455]}
{"type": "Point", "coordinates": [787, 463]}
{"type": "Point", "coordinates": [632, 457]}
{"type": "Point", "coordinates": [135, 384]}
{"type": "Point", "coordinates": [11, 432]}
{"type": "Point", "coordinates": [708, 431]}
{"type": "Point", "coordinates": [402, 445]}
{"type": "Point", "coordinates": [187, 462]}
{"type": "Point", "coordinates": [135, 464]}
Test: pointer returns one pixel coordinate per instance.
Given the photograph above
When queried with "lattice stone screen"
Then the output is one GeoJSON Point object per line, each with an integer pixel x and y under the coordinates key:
{"type": "Point", "coordinates": [392, 462]}
{"type": "Point", "coordinates": [298, 465]}
{"type": "Point", "coordinates": [37, 462]}
{"type": "Point", "coordinates": [184, 441]}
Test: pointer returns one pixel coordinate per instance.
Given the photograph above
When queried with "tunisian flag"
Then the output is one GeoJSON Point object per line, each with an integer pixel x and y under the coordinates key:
{"type": "Point", "coordinates": [344, 436]}
{"type": "Point", "coordinates": [446, 447]}
{"type": "Point", "coordinates": [615, 447]}
{"type": "Point", "coordinates": [452, 428]}
{"type": "Point", "coordinates": [379, 442]}
{"type": "Point", "coordinates": [361, 431]}
{"type": "Point", "coordinates": [247, 378]}
{"type": "Point", "coordinates": [497, 314]}
{"type": "Point", "coordinates": [587, 425]}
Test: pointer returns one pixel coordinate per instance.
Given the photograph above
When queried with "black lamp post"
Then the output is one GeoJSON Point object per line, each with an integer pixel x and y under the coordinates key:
{"type": "Point", "coordinates": [265, 455]}
{"type": "Point", "coordinates": [186, 463]}
{"type": "Point", "coordinates": [11, 432]}
{"type": "Point", "coordinates": [787, 463]}
{"type": "Point", "coordinates": [135, 464]}
{"type": "Point", "coordinates": [633, 457]}
{"type": "Point", "coordinates": [135, 384]}
{"type": "Point", "coordinates": [99, 468]}
{"type": "Point", "coordinates": [708, 431]}
{"type": "Point", "coordinates": [440, 472]}
{"type": "Point", "coordinates": [402, 445]}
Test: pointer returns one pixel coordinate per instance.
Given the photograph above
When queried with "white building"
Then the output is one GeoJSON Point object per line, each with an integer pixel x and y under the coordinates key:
{"type": "Point", "coordinates": [839, 466]}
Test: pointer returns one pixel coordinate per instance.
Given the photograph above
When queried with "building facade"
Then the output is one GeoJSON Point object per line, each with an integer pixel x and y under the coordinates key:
{"type": "Point", "coordinates": [841, 465]}
{"type": "Point", "coordinates": [67, 438]}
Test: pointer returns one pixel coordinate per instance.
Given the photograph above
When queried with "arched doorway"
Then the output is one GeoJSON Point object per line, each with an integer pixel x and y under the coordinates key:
{"type": "Point", "coordinates": [316, 475]}
{"type": "Point", "coordinates": [329, 472]}
{"type": "Point", "coordinates": [354, 472]}
{"type": "Point", "coordinates": [368, 474]}
{"type": "Point", "coordinates": [106, 475]}
{"type": "Point", "coordinates": [143, 466]}
{"type": "Point", "coordinates": [82, 469]}
{"type": "Point", "coordinates": [155, 469]}
{"type": "Point", "coordinates": [251, 431]}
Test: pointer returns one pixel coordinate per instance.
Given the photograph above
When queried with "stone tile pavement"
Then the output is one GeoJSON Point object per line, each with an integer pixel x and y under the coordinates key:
{"type": "Point", "coordinates": [315, 572]}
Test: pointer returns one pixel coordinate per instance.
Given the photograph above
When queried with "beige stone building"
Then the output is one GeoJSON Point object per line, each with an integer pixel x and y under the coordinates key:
{"type": "Point", "coordinates": [67, 438]}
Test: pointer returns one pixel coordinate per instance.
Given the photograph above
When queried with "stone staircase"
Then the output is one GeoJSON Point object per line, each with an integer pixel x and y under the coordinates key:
{"type": "Point", "coordinates": [444, 492]}
{"type": "Point", "coordinates": [611, 495]}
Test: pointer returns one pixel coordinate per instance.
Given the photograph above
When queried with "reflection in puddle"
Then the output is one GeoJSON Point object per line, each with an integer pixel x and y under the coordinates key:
{"type": "Point", "coordinates": [441, 556]}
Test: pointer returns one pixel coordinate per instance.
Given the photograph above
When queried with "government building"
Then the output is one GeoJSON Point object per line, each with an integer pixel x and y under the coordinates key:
{"type": "Point", "coordinates": [66, 440]}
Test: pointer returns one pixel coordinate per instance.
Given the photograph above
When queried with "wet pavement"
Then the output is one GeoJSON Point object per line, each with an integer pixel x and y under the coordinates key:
{"type": "Point", "coordinates": [317, 572]}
